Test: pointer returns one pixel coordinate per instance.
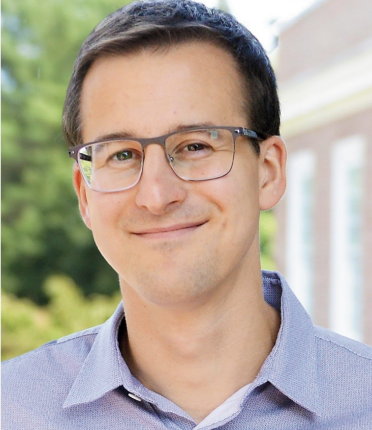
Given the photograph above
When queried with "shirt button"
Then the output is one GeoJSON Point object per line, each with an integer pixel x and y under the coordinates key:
{"type": "Point", "coordinates": [133, 396]}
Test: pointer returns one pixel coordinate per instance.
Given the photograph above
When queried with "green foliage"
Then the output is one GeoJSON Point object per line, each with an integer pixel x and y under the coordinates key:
{"type": "Point", "coordinates": [42, 231]}
{"type": "Point", "coordinates": [268, 227]}
{"type": "Point", "coordinates": [26, 326]}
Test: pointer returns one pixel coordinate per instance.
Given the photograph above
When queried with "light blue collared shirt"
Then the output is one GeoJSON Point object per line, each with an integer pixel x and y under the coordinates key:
{"type": "Point", "coordinates": [312, 379]}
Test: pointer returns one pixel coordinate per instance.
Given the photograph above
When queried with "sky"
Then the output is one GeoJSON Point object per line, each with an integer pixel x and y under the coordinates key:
{"type": "Point", "coordinates": [257, 15]}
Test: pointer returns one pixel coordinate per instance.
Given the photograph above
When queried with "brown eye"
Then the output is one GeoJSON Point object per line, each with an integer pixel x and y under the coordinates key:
{"type": "Point", "coordinates": [195, 147]}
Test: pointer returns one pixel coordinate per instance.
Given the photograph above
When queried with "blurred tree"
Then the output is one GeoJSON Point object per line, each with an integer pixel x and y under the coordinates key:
{"type": "Point", "coordinates": [268, 228]}
{"type": "Point", "coordinates": [42, 232]}
{"type": "Point", "coordinates": [26, 326]}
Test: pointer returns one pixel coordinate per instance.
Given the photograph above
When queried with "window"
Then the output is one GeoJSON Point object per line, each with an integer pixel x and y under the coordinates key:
{"type": "Point", "coordinates": [299, 258]}
{"type": "Point", "coordinates": [346, 307]}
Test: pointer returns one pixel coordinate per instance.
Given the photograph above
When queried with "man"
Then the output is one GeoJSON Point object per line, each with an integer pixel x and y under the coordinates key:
{"type": "Point", "coordinates": [172, 117]}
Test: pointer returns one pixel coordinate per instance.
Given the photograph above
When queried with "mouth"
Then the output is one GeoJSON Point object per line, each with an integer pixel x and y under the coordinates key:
{"type": "Point", "coordinates": [169, 232]}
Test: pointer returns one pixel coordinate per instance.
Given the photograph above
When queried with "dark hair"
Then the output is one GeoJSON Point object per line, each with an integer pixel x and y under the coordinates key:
{"type": "Point", "coordinates": [160, 24]}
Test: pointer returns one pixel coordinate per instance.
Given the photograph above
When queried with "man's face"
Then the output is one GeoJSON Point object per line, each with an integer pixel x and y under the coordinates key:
{"type": "Point", "coordinates": [171, 241]}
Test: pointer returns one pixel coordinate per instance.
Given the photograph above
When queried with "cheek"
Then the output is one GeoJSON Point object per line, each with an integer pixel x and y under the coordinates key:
{"type": "Point", "coordinates": [243, 202]}
{"type": "Point", "coordinates": [238, 192]}
{"type": "Point", "coordinates": [99, 211]}
{"type": "Point", "coordinates": [238, 217]}
{"type": "Point", "coordinates": [105, 213]}
{"type": "Point", "coordinates": [106, 207]}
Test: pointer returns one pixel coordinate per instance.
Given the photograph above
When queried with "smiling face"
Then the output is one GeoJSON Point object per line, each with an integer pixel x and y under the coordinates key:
{"type": "Point", "coordinates": [171, 241]}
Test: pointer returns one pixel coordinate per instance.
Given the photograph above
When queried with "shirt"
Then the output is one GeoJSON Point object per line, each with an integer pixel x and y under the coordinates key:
{"type": "Point", "coordinates": [312, 379]}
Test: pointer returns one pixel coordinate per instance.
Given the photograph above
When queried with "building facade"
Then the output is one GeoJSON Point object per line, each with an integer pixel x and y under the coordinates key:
{"type": "Point", "coordinates": [324, 243]}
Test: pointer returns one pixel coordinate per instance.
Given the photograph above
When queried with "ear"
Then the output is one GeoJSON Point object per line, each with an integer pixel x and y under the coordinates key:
{"type": "Point", "coordinates": [80, 189]}
{"type": "Point", "coordinates": [272, 177]}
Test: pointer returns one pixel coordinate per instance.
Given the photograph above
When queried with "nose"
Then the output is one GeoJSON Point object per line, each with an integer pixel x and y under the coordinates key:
{"type": "Point", "coordinates": [159, 189]}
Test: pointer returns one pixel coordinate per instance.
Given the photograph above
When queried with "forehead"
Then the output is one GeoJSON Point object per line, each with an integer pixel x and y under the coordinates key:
{"type": "Point", "coordinates": [191, 83]}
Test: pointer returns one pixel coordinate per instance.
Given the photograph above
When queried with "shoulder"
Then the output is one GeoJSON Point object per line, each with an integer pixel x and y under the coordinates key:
{"type": "Point", "coordinates": [35, 386]}
{"type": "Point", "coordinates": [331, 344]}
{"type": "Point", "coordinates": [35, 383]}
{"type": "Point", "coordinates": [344, 370]}
{"type": "Point", "coordinates": [53, 364]}
{"type": "Point", "coordinates": [76, 344]}
{"type": "Point", "coordinates": [345, 359]}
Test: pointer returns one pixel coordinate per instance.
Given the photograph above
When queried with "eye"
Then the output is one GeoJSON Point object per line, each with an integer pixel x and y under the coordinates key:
{"type": "Point", "coordinates": [123, 155]}
{"type": "Point", "coordinates": [193, 147]}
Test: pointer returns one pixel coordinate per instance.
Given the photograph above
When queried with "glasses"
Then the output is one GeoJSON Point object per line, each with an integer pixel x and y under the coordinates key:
{"type": "Point", "coordinates": [197, 154]}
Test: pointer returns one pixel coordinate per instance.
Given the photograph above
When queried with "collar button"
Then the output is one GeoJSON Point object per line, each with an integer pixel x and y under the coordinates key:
{"type": "Point", "coordinates": [133, 396]}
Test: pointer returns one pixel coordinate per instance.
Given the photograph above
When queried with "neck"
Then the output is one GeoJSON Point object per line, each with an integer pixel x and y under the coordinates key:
{"type": "Point", "coordinates": [199, 356]}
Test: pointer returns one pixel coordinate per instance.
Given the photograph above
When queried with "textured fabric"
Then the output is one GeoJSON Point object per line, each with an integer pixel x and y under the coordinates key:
{"type": "Point", "coordinates": [312, 379]}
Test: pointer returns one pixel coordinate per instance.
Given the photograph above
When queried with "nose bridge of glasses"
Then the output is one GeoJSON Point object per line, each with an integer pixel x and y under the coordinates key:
{"type": "Point", "coordinates": [155, 141]}
{"type": "Point", "coordinates": [152, 141]}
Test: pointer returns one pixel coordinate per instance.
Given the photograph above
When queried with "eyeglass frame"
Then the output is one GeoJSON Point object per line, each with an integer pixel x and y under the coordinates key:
{"type": "Point", "coordinates": [73, 152]}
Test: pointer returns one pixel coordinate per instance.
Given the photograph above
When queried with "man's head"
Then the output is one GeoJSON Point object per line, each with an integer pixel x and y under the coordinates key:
{"type": "Point", "coordinates": [173, 240]}
{"type": "Point", "coordinates": [157, 25]}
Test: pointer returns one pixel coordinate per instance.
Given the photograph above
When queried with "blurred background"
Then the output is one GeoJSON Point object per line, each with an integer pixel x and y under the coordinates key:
{"type": "Point", "coordinates": [54, 281]}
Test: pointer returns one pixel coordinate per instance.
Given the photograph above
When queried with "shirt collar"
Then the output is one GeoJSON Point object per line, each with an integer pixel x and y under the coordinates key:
{"type": "Point", "coordinates": [290, 367]}
{"type": "Point", "coordinates": [100, 372]}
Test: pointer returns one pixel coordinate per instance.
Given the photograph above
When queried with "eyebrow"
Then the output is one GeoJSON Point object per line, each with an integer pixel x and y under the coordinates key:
{"type": "Point", "coordinates": [126, 135]}
{"type": "Point", "coordinates": [197, 125]}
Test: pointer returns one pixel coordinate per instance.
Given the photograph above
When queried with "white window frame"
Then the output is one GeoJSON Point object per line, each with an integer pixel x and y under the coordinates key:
{"type": "Point", "coordinates": [346, 301]}
{"type": "Point", "coordinates": [299, 262]}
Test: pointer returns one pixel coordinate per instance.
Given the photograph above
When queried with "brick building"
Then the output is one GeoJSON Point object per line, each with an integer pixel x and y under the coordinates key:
{"type": "Point", "coordinates": [324, 244]}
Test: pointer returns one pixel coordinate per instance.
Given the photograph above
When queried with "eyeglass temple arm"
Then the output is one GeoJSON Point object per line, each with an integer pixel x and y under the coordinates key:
{"type": "Point", "coordinates": [75, 154]}
{"type": "Point", "coordinates": [85, 157]}
{"type": "Point", "coordinates": [251, 134]}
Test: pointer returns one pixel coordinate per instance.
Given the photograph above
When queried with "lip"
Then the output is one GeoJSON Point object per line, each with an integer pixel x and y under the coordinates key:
{"type": "Point", "coordinates": [171, 231]}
